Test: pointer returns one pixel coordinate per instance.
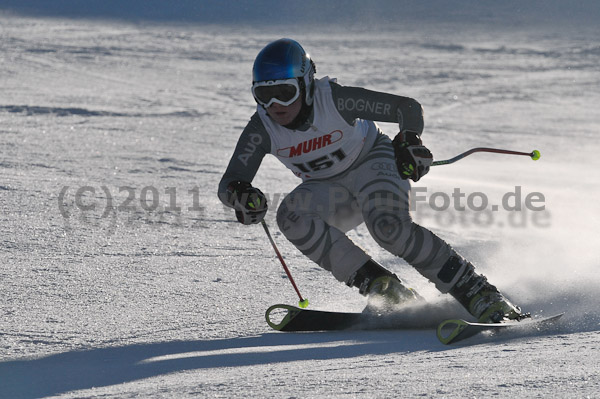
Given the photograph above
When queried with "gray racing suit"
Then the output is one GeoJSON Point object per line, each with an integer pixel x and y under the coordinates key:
{"type": "Point", "coordinates": [349, 176]}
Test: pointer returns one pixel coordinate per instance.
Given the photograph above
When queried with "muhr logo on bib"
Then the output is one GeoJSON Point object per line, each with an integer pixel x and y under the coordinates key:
{"type": "Point", "coordinates": [311, 145]}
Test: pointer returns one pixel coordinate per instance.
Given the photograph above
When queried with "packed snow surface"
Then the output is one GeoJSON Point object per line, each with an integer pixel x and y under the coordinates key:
{"type": "Point", "coordinates": [122, 275]}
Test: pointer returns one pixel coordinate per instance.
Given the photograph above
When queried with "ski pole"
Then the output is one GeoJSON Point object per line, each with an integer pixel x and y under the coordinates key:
{"type": "Point", "coordinates": [535, 155]}
{"type": "Point", "coordinates": [303, 302]}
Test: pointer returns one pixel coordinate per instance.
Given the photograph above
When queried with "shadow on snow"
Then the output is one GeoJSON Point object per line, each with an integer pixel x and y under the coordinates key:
{"type": "Point", "coordinates": [100, 367]}
{"type": "Point", "coordinates": [70, 371]}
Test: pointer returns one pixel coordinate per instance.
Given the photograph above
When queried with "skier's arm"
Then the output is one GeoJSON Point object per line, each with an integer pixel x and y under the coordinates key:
{"type": "Point", "coordinates": [356, 102]}
{"type": "Point", "coordinates": [412, 158]}
{"type": "Point", "coordinates": [253, 144]}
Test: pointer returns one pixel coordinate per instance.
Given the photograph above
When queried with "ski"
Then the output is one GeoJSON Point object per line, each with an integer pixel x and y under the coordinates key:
{"type": "Point", "coordinates": [454, 330]}
{"type": "Point", "coordinates": [290, 318]}
{"type": "Point", "coordinates": [294, 319]}
{"type": "Point", "coordinates": [297, 319]}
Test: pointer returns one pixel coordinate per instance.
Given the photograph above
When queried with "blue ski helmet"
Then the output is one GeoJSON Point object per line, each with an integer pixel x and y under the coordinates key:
{"type": "Point", "coordinates": [285, 59]}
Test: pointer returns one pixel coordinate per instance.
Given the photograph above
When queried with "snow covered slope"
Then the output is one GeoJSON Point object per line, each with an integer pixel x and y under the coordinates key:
{"type": "Point", "coordinates": [123, 276]}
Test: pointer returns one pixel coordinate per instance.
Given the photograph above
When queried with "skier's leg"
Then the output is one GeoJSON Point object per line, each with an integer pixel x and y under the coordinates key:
{"type": "Point", "coordinates": [384, 200]}
{"type": "Point", "coordinates": [314, 217]}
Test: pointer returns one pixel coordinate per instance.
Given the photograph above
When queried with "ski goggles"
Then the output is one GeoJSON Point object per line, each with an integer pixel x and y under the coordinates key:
{"type": "Point", "coordinates": [282, 91]}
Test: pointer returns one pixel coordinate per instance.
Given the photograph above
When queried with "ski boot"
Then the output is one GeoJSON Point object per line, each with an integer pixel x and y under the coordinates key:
{"type": "Point", "coordinates": [384, 289]}
{"type": "Point", "coordinates": [482, 299]}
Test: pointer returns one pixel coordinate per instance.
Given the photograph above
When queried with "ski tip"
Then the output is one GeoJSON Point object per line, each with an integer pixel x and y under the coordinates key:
{"type": "Point", "coordinates": [274, 312]}
{"type": "Point", "coordinates": [448, 330]}
{"type": "Point", "coordinates": [453, 330]}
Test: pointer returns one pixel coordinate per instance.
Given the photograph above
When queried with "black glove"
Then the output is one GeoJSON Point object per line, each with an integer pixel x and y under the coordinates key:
{"type": "Point", "coordinates": [249, 202]}
{"type": "Point", "coordinates": [413, 159]}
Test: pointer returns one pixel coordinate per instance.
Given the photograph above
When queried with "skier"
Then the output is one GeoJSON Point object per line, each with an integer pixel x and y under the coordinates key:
{"type": "Point", "coordinates": [351, 173]}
